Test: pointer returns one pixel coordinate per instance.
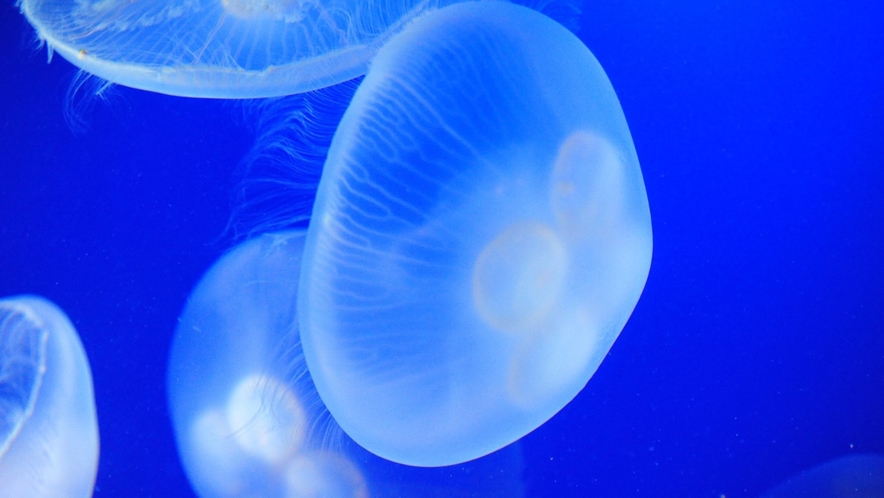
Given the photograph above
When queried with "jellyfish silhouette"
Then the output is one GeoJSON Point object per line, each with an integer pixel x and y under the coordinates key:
{"type": "Point", "coordinates": [221, 49]}
{"type": "Point", "coordinates": [48, 428]}
{"type": "Point", "coordinates": [247, 419]}
{"type": "Point", "coordinates": [480, 236]}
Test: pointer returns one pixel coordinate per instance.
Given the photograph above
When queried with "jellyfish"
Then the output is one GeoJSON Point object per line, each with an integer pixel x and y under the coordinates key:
{"type": "Point", "coordinates": [247, 419]}
{"type": "Point", "coordinates": [857, 475]}
{"type": "Point", "coordinates": [221, 48]}
{"type": "Point", "coordinates": [480, 236]}
{"type": "Point", "coordinates": [48, 428]}
{"type": "Point", "coordinates": [277, 179]}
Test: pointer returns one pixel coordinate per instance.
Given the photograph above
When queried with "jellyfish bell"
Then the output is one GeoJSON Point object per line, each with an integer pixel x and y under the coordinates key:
{"type": "Point", "coordinates": [480, 236]}
{"type": "Point", "coordinates": [246, 415]}
{"type": "Point", "coordinates": [221, 48]}
{"type": "Point", "coordinates": [244, 418]}
{"type": "Point", "coordinates": [289, 11]}
{"type": "Point", "coordinates": [255, 444]}
{"type": "Point", "coordinates": [48, 426]}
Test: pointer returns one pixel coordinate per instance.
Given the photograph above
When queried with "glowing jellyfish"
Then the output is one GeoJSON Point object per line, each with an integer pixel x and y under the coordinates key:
{"type": "Point", "coordinates": [241, 428]}
{"type": "Point", "coordinates": [480, 236]}
{"type": "Point", "coordinates": [247, 418]}
{"type": "Point", "coordinates": [48, 428]}
{"type": "Point", "coordinates": [221, 48]}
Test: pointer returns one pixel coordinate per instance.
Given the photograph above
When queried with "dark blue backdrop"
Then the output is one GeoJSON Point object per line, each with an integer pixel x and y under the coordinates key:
{"type": "Point", "coordinates": [756, 350]}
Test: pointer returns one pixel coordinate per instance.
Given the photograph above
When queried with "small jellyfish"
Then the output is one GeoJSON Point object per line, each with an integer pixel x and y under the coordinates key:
{"type": "Point", "coordinates": [221, 48]}
{"type": "Point", "coordinates": [242, 427]}
{"type": "Point", "coordinates": [48, 427]}
{"type": "Point", "coordinates": [480, 236]}
{"type": "Point", "coordinates": [247, 418]}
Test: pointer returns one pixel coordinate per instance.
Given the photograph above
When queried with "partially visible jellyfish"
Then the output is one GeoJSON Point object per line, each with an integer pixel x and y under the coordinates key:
{"type": "Point", "coordinates": [480, 236]}
{"type": "Point", "coordinates": [221, 48]}
{"type": "Point", "coordinates": [850, 476]}
{"type": "Point", "coordinates": [247, 419]}
{"type": "Point", "coordinates": [241, 428]}
{"type": "Point", "coordinates": [48, 427]}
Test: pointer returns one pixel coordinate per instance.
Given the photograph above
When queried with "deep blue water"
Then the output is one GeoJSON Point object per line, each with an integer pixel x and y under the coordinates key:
{"type": "Point", "coordinates": [756, 350]}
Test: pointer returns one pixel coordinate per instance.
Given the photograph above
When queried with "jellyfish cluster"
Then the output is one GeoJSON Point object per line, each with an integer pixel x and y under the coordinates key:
{"type": "Point", "coordinates": [480, 235]}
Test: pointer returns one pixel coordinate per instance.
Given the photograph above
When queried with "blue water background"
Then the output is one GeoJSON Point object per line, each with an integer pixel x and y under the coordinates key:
{"type": "Point", "coordinates": [757, 349]}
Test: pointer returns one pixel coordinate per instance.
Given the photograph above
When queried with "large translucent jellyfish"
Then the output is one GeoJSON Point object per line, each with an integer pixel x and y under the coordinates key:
{"type": "Point", "coordinates": [48, 428]}
{"type": "Point", "coordinates": [247, 418]}
{"type": "Point", "coordinates": [221, 48]}
{"type": "Point", "coordinates": [480, 236]}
